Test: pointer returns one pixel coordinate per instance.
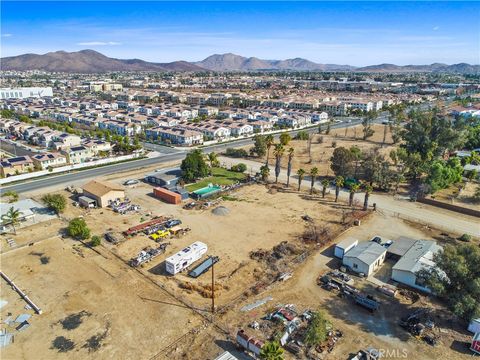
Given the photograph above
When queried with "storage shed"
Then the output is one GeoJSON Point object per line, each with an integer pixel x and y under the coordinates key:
{"type": "Point", "coordinates": [344, 246]}
{"type": "Point", "coordinates": [167, 179]}
{"type": "Point", "coordinates": [365, 258]}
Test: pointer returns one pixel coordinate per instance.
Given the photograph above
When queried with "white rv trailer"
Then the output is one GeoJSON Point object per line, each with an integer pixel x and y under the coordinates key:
{"type": "Point", "coordinates": [184, 258]}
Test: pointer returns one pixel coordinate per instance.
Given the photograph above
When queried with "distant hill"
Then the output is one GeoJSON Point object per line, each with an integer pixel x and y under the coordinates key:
{"type": "Point", "coordinates": [87, 61]}
{"type": "Point", "coordinates": [90, 61]}
{"type": "Point", "coordinates": [232, 62]}
{"type": "Point", "coordinates": [461, 68]}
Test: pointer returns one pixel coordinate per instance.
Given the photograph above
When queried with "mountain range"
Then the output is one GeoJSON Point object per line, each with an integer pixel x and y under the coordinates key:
{"type": "Point", "coordinates": [90, 61]}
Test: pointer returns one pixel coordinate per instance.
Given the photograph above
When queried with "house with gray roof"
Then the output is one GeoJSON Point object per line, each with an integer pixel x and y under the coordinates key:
{"type": "Point", "coordinates": [418, 257]}
{"type": "Point", "coordinates": [365, 258]}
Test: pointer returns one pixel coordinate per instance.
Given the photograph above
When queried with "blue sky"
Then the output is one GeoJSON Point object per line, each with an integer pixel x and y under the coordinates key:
{"type": "Point", "coordinates": [355, 33]}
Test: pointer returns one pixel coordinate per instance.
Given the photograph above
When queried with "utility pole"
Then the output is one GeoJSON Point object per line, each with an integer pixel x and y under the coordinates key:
{"type": "Point", "coordinates": [213, 286]}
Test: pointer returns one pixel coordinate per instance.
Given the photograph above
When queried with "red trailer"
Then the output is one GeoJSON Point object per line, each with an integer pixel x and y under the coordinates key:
{"type": "Point", "coordinates": [167, 195]}
{"type": "Point", "coordinates": [476, 343]}
{"type": "Point", "coordinates": [136, 229]}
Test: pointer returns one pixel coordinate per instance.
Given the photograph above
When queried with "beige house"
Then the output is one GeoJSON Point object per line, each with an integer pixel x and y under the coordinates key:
{"type": "Point", "coordinates": [103, 192]}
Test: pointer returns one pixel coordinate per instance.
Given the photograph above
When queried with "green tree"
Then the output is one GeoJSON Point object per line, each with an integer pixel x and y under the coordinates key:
{"type": "Point", "coordinates": [291, 153]}
{"type": "Point", "coordinates": [456, 279]}
{"type": "Point", "coordinates": [353, 189]}
{"type": "Point", "coordinates": [342, 162]}
{"type": "Point", "coordinates": [278, 153]}
{"type": "Point", "coordinates": [285, 138]}
{"type": "Point", "coordinates": [12, 217]}
{"type": "Point", "coordinates": [339, 181]}
{"type": "Point", "coordinates": [367, 124]}
{"type": "Point", "coordinates": [271, 350]}
{"type": "Point", "coordinates": [259, 145]}
{"type": "Point", "coordinates": [55, 202]}
{"type": "Point", "coordinates": [213, 159]}
{"type": "Point", "coordinates": [300, 174]}
{"type": "Point", "coordinates": [193, 166]}
{"type": "Point", "coordinates": [96, 241]}
{"type": "Point", "coordinates": [476, 195]}
{"type": "Point", "coordinates": [269, 141]}
{"type": "Point", "coordinates": [265, 172]}
{"type": "Point", "coordinates": [313, 177]}
{"type": "Point", "coordinates": [444, 173]}
{"type": "Point", "coordinates": [302, 135]}
{"type": "Point", "coordinates": [325, 184]}
{"type": "Point", "coordinates": [78, 229]}
{"type": "Point", "coordinates": [317, 330]}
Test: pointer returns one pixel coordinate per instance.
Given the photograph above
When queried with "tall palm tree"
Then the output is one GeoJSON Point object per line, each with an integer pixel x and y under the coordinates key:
{"type": "Point", "coordinates": [291, 152]}
{"type": "Point", "coordinates": [269, 141]}
{"type": "Point", "coordinates": [339, 181]}
{"type": "Point", "coordinates": [368, 189]}
{"type": "Point", "coordinates": [300, 174]}
{"type": "Point", "coordinates": [213, 159]}
{"type": "Point", "coordinates": [313, 177]}
{"type": "Point", "coordinates": [278, 153]}
{"type": "Point", "coordinates": [265, 172]}
{"type": "Point", "coordinates": [353, 189]}
{"type": "Point", "coordinates": [12, 217]}
{"type": "Point", "coordinates": [271, 351]}
{"type": "Point", "coordinates": [325, 183]}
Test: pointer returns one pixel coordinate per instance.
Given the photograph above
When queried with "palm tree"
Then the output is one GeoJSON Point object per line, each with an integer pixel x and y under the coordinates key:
{"type": "Point", "coordinates": [285, 138]}
{"type": "Point", "coordinates": [325, 183]}
{"type": "Point", "coordinates": [313, 177]}
{"type": "Point", "coordinates": [368, 189]}
{"type": "Point", "coordinates": [278, 152]}
{"type": "Point", "coordinates": [353, 189]}
{"type": "Point", "coordinates": [339, 181]}
{"type": "Point", "coordinates": [265, 172]}
{"type": "Point", "coordinates": [300, 174]}
{"type": "Point", "coordinates": [213, 159]}
{"type": "Point", "coordinates": [289, 167]}
{"type": "Point", "coordinates": [271, 350]}
{"type": "Point", "coordinates": [12, 217]}
{"type": "Point", "coordinates": [269, 141]}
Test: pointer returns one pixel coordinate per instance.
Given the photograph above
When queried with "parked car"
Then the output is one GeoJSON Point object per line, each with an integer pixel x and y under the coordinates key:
{"type": "Point", "coordinates": [130, 182]}
{"type": "Point", "coordinates": [110, 237]}
{"type": "Point", "coordinates": [172, 223]}
{"type": "Point", "coordinates": [377, 239]}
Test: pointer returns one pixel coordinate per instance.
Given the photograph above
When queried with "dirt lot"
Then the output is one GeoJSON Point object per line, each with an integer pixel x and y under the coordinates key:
{"type": "Point", "coordinates": [322, 152]}
{"type": "Point", "coordinates": [459, 196]}
{"type": "Point", "coordinates": [360, 328]}
{"type": "Point", "coordinates": [118, 312]}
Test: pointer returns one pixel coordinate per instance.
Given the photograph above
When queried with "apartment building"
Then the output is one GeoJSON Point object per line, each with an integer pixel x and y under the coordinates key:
{"type": "Point", "coordinates": [177, 136]}
{"type": "Point", "coordinates": [25, 92]}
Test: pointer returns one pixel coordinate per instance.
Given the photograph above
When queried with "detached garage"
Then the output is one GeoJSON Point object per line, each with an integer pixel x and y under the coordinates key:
{"type": "Point", "coordinates": [103, 192]}
{"type": "Point", "coordinates": [365, 258]}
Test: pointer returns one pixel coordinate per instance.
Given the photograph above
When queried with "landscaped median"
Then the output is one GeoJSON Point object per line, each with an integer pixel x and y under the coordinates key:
{"type": "Point", "coordinates": [219, 176]}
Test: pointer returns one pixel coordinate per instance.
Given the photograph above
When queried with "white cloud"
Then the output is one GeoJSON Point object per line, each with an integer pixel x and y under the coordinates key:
{"type": "Point", "coordinates": [99, 43]}
{"type": "Point", "coordinates": [6, 35]}
{"type": "Point", "coordinates": [435, 28]}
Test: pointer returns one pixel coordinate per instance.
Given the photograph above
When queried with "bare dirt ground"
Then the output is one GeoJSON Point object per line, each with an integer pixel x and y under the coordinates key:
{"type": "Point", "coordinates": [360, 328]}
{"type": "Point", "coordinates": [322, 152]}
{"type": "Point", "coordinates": [457, 195]}
{"type": "Point", "coordinates": [125, 313]}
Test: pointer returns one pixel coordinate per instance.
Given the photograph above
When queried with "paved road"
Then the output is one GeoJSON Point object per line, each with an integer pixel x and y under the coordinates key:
{"type": "Point", "coordinates": [67, 179]}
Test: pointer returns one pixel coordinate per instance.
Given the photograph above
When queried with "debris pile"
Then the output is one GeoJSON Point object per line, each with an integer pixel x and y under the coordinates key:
{"type": "Point", "coordinates": [147, 255]}
{"type": "Point", "coordinates": [204, 290]}
{"type": "Point", "coordinates": [420, 323]}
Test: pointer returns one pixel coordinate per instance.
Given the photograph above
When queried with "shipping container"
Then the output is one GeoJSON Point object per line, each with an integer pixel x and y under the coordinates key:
{"type": "Point", "coordinates": [167, 196]}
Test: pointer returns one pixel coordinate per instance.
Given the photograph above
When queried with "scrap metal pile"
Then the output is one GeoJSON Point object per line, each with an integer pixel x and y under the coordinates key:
{"type": "Point", "coordinates": [124, 207]}
{"type": "Point", "coordinates": [147, 255]}
{"type": "Point", "coordinates": [420, 324]}
{"type": "Point", "coordinates": [365, 300]}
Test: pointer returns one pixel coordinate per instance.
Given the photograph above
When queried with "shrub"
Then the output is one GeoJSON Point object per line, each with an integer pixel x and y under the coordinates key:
{"type": "Point", "coordinates": [78, 229]}
{"type": "Point", "coordinates": [465, 237]}
{"type": "Point", "coordinates": [236, 153]}
{"type": "Point", "coordinates": [239, 168]}
{"type": "Point", "coordinates": [334, 144]}
{"type": "Point", "coordinates": [55, 202]}
{"type": "Point", "coordinates": [302, 135]}
{"type": "Point", "coordinates": [96, 240]}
